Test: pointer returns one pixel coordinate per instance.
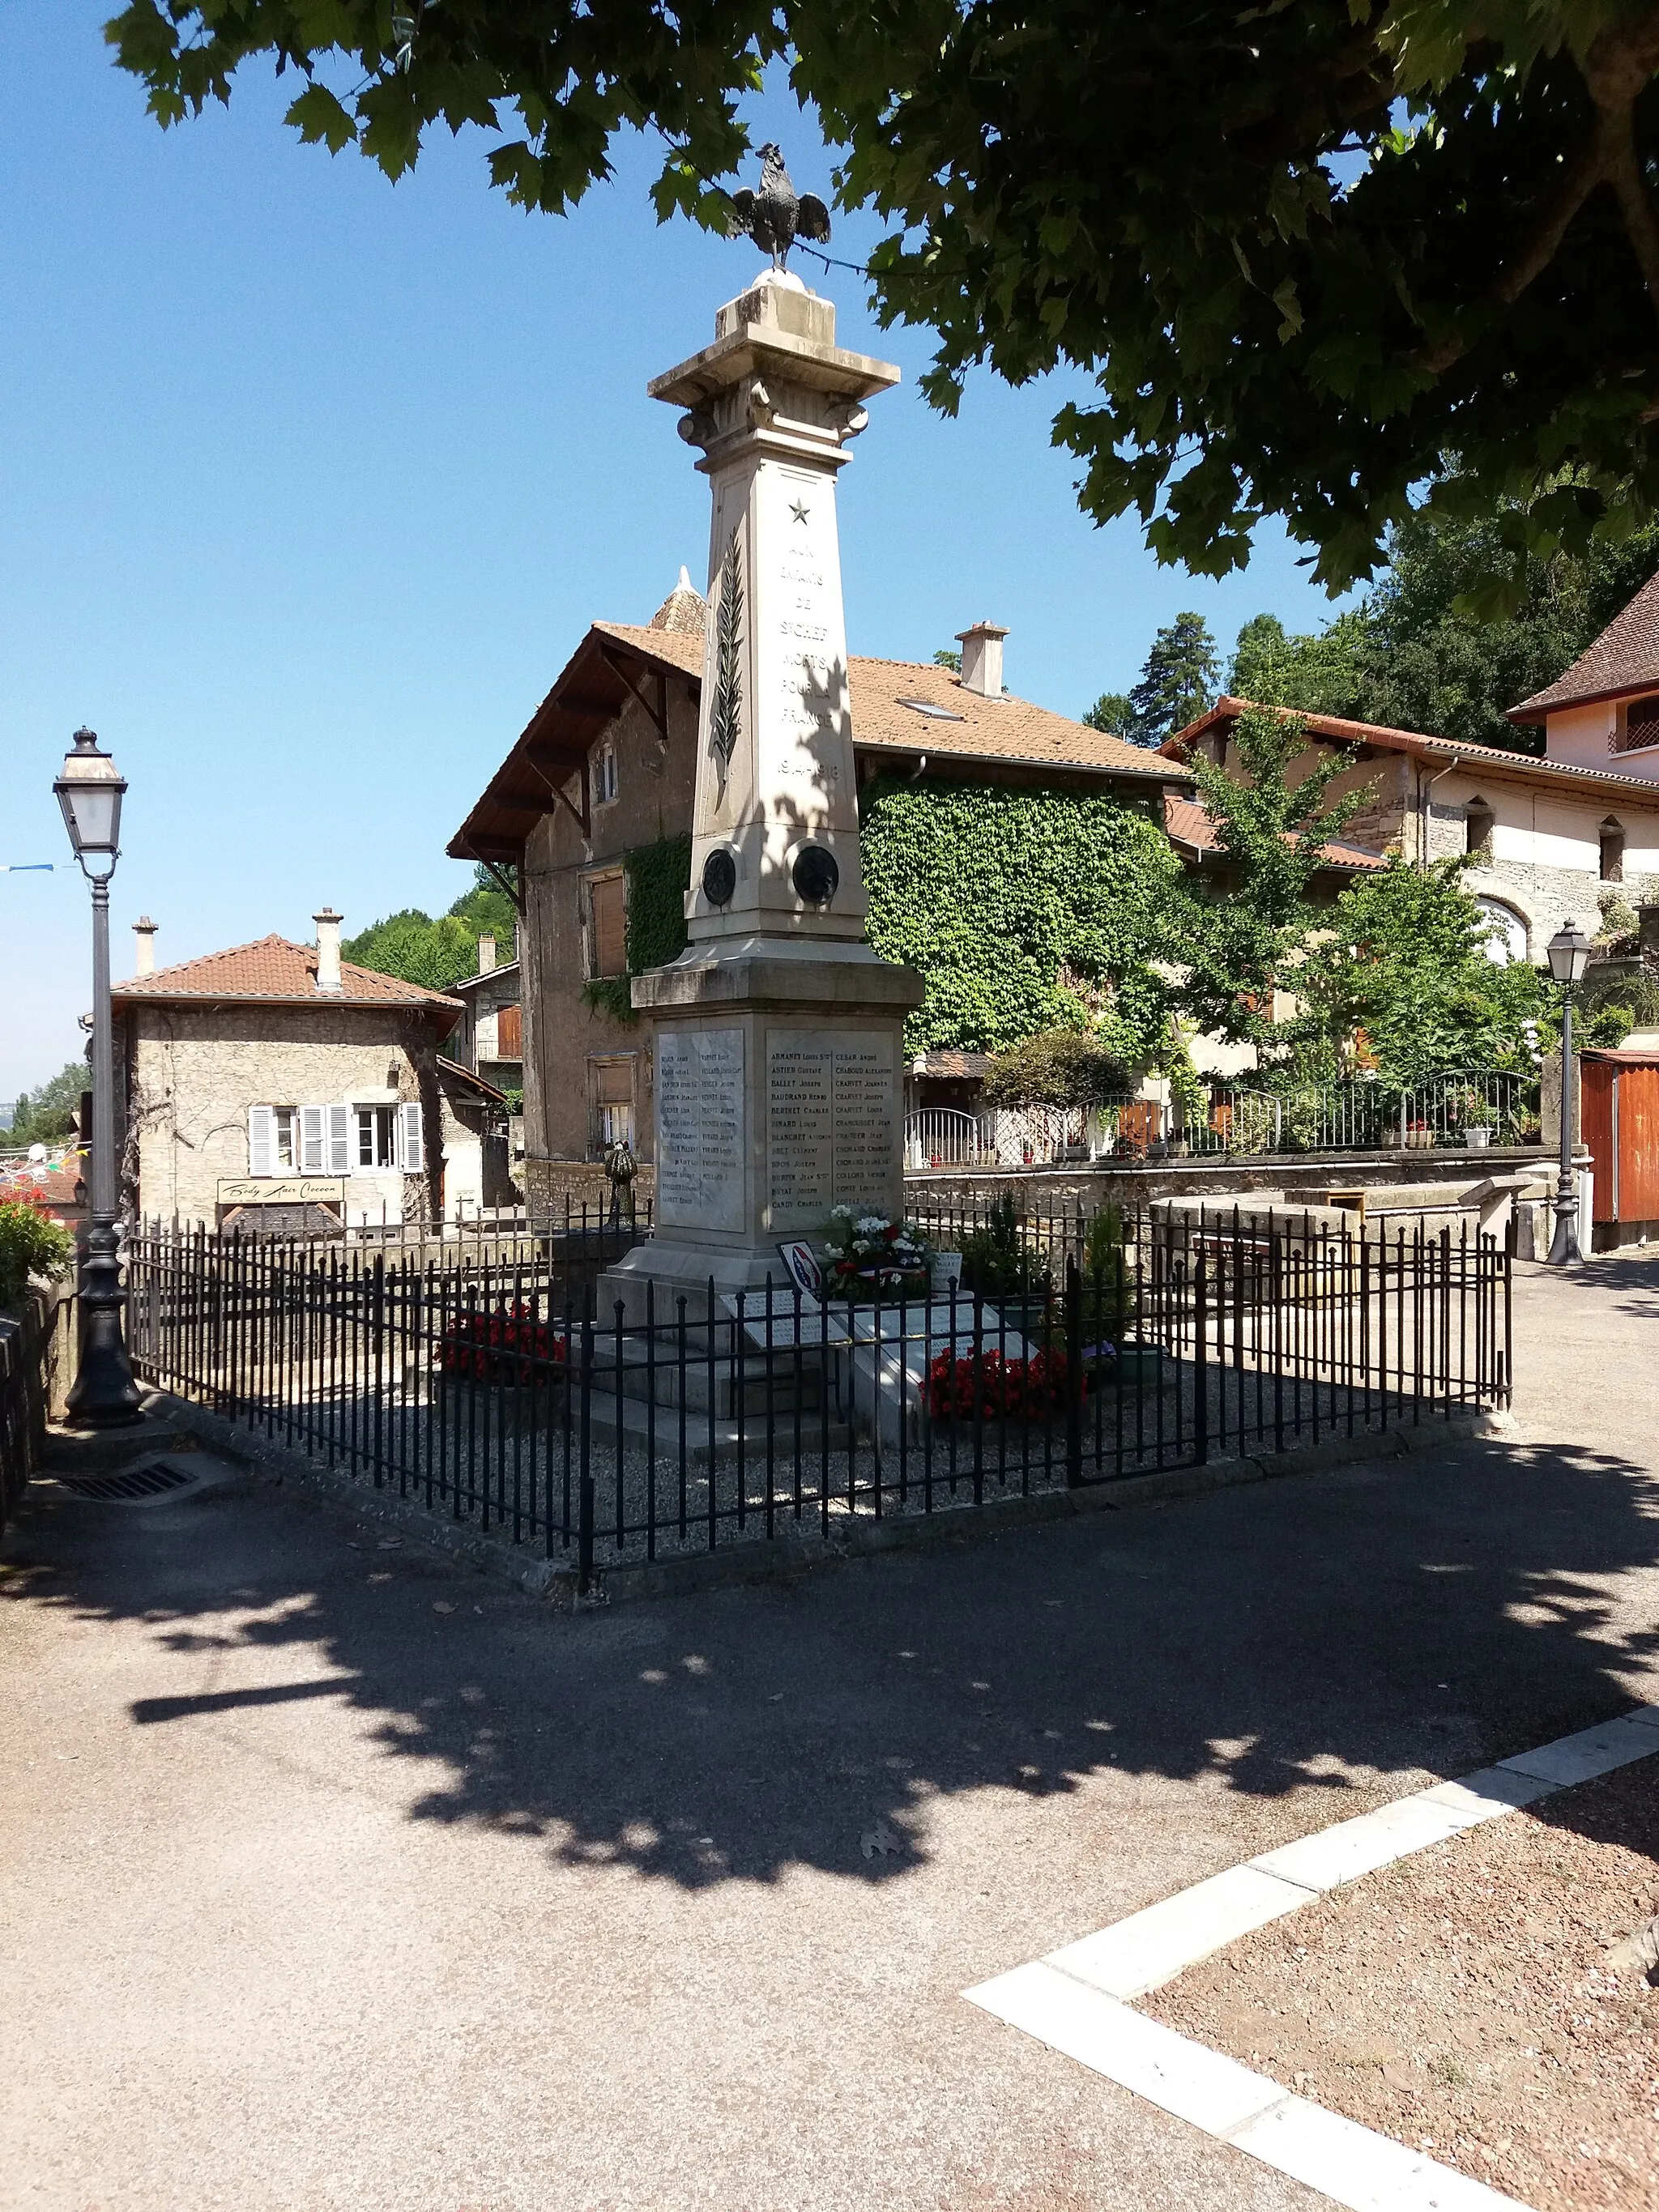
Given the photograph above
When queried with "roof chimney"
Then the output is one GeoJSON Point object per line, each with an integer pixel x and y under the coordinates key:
{"type": "Point", "coordinates": [328, 949]}
{"type": "Point", "coordinates": [144, 958]}
{"type": "Point", "coordinates": [981, 659]}
{"type": "Point", "coordinates": [486, 955]}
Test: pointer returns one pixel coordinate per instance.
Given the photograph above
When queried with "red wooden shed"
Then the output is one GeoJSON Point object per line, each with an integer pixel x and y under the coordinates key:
{"type": "Point", "coordinates": [1621, 1096]}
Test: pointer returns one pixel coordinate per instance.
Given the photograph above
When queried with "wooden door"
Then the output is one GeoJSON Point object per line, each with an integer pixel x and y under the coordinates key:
{"type": "Point", "coordinates": [1638, 1145]}
{"type": "Point", "coordinates": [509, 1033]}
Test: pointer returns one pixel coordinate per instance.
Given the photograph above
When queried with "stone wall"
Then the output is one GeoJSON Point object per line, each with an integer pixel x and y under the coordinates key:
{"type": "Point", "coordinates": [193, 1073]}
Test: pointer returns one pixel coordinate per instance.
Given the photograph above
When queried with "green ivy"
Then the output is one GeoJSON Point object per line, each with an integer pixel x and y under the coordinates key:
{"type": "Point", "coordinates": [991, 893]}
{"type": "Point", "coordinates": [657, 878]}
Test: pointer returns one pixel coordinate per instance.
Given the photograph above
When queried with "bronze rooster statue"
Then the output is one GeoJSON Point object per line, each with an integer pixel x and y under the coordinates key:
{"type": "Point", "coordinates": [775, 216]}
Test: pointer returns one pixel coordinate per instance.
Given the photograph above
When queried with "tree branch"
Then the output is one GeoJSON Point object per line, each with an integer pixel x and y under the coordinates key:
{"type": "Point", "coordinates": [1541, 248]}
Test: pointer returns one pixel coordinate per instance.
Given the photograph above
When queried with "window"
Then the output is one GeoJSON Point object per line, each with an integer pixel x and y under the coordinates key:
{"type": "Point", "coordinates": [1506, 932]}
{"type": "Point", "coordinates": [1612, 852]}
{"type": "Point", "coordinates": [1638, 726]}
{"type": "Point", "coordinates": [607, 910]}
{"type": "Point", "coordinates": [335, 1139]}
{"type": "Point", "coordinates": [374, 1137]}
{"type": "Point", "coordinates": [1477, 828]}
{"type": "Point", "coordinates": [605, 775]}
{"type": "Point", "coordinates": [509, 1033]}
{"type": "Point", "coordinates": [273, 1140]}
{"type": "Point", "coordinates": [610, 1086]}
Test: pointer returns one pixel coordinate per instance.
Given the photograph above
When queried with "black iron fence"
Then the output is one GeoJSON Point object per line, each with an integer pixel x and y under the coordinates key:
{"type": "Point", "coordinates": [533, 1392]}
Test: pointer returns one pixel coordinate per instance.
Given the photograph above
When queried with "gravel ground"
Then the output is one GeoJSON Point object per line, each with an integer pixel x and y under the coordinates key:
{"type": "Point", "coordinates": [1463, 2000]}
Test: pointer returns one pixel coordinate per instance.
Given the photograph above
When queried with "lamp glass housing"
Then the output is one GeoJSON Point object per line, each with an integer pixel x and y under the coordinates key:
{"type": "Point", "coordinates": [1569, 954]}
{"type": "Point", "coordinates": [89, 791]}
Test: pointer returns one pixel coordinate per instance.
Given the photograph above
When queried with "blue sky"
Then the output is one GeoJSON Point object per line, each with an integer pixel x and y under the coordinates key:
{"type": "Point", "coordinates": [311, 484]}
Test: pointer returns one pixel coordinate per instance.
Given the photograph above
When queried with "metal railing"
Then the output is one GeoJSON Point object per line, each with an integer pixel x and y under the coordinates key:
{"type": "Point", "coordinates": [1453, 1108]}
{"type": "Point", "coordinates": [520, 1393]}
{"type": "Point", "coordinates": [32, 1344]}
{"type": "Point", "coordinates": [1030, 1136]}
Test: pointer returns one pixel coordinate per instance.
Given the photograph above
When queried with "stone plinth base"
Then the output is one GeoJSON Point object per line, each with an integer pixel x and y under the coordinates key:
{"type": "Point", "coordinates": [779, 1094]}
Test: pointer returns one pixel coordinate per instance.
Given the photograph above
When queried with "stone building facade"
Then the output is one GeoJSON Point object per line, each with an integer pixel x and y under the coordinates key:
{"type": "Point", "coordinates": [275, 1087]}
{"type": "Point", "coordinates": [489, 1038]}
{"type": "Point", "coordinates": [1551, 840]}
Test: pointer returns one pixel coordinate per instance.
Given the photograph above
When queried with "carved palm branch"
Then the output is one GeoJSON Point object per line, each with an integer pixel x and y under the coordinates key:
{"type": "Point", "coordinates": [725, 722]}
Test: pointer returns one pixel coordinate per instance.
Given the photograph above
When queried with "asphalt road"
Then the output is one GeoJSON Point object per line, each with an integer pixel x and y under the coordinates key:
{"type": "Point", "coordinates": [339, 1876]}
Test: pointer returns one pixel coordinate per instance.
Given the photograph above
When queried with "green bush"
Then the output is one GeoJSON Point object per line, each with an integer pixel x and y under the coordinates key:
{"type": "Point", "coordinates": [31, 1243]}
{"type": "Point", "coordinates": [1059, 1068]}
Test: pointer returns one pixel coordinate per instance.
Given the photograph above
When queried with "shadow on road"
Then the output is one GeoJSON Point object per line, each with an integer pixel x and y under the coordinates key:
{"type": "Point", "coordinates": [1377, 1621]}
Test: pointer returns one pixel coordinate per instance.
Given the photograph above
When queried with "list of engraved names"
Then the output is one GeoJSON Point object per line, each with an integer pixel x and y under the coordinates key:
{"type": "Point", "coordinates": [699, 1128]}
{"type": "Point", "coordinates": [831, 1123]}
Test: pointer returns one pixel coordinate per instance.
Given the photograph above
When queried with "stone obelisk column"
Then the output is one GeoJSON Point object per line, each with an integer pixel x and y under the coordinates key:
{"type": "Point", "coordinates": [779, 1033]}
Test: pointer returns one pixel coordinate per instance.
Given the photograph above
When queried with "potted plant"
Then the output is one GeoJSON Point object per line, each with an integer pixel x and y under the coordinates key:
{"type": "Point", "coordinates": [1480, 1135]}
{"type": "Point", "coordinates": [998, 1266]}
{"type": "Point", "coordinates": [1419, 1136]}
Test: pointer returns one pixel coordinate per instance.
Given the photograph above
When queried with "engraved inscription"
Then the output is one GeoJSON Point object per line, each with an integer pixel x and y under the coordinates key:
{"type": "Point", "coordinates": [699, 1128]}
{"type": "Point", "coordinates": [832, 1123]}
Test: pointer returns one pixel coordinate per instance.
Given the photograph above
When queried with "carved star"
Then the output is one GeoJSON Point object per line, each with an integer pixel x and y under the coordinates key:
{"type": "Point", "coordinates": [799, 510]}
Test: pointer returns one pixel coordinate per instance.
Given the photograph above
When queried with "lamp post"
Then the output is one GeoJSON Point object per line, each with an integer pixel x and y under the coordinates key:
{"type": "Point", "coordinates": [90, 790]}
{"type": "Point", "coordinates": [1569, 955]}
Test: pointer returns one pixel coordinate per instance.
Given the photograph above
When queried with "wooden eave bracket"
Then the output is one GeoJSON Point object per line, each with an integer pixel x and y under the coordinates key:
{"type": "Point", "coordinates": [656, 709]}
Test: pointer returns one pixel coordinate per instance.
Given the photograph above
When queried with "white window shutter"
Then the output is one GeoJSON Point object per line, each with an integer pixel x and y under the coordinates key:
{"type": "Point", "coordinates": [412, 1150]}
{"type": "Point", "coordinates": [261, 1125]}
{"type": "Point", "coordinates": [339, 1140]}
{"type": "Point", "coordinates": [312, 1160]}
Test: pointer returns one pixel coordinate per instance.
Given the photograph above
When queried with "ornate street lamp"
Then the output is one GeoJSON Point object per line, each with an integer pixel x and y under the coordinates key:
{"type": "Point", "coordinates": [90, 790]}
{"type": "Point", "coordinates": [1569, 954]}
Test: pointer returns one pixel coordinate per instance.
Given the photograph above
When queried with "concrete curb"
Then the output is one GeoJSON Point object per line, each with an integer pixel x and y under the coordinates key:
{"type": "Point", "coordinates": [761, 1559]}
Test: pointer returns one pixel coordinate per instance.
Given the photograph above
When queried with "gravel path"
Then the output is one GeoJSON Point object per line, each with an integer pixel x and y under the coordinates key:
{"type": "Point", "coordinates": [1464, 2000]}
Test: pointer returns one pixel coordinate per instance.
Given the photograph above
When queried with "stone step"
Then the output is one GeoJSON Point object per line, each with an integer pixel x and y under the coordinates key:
{"type": "Point", "coordinates": [700, 1385]}
{"type": "Point", "coordinates": [635, 1433]}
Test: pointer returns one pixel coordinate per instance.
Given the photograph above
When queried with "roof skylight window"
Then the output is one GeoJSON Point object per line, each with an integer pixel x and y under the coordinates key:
{"type": "Point", "coordinates": [934, 714]}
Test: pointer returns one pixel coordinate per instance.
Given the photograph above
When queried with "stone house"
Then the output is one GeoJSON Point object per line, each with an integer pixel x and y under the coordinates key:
{"type": "Point", "coordinates": [602, 778]}
{"type": "Point", "coordinates": [275, 1087]}
{"type": "Point", "coordinates": [1553, 838]}
{"type": "Point", "coordinates": [489, 1038]}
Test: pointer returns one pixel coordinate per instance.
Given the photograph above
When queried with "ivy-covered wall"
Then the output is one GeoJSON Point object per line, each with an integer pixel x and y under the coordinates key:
{"type": "Point", "coordinates": [991, 893]}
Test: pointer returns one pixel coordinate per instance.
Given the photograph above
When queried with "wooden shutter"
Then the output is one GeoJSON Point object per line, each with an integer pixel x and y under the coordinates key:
{"type": "Point", "coordinates": [261, 1131]}
{"type": "Point", "coordinates": [609, 951]}
{"type": "Point", "coordinates": [613, 1082]}
{"type": "Point", "coordinates": [313, 1157]}
{"type": "Point", "coordinates": [339, 1140]}
{"type": "Point", "coordinates": [411, 1151]}
{"type": "Point", "coordinates": [509, 1033]}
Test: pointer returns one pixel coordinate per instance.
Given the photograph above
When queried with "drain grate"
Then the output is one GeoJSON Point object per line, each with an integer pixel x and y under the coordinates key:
{"type": "Point", "coordinates": [135, 1482]}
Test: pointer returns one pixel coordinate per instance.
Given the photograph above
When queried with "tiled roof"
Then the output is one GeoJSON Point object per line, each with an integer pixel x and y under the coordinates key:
{"type": "Point", "coordinates": [274, 969]}
{"type": "Point", "coordinates": [683, 611]}
{"type": "Point", "coordinates": [456, 1074]}
{"type": "Point", "coordinates": [1624, 658]}
{"type": "Point", "coordinates": [486, 975]}
{"type": "Point", "coordinates": [1525, 768]}
{"type": "Point", "coordinates": [966, 725]}
{"type": "Point", "coordinates": [1187, 823]}
{"type": "Point", "coordinates": [944, 1061]}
